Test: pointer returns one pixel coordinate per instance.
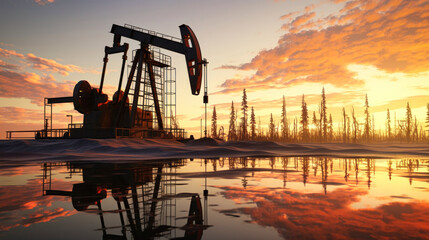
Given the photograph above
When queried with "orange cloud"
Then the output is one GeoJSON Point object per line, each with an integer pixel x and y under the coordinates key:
{"type": "Point", "coordinates": [50, 65]}
{"type": "Point", "coordinates": [329, 216]}
{"type": "Point", "coordinates": [32, 86]}
{"type": "Point", "coordinates": [391, 35]}
{"type": "Point", "coordinates": [8, 53]}
{"type": "Point", "coordinates": [45, 216]}
{"type": "Point", "coordinates": [300, 20]}
{"type": "Point", "coordinates": [16, 198]}
{"type": "Point", "coordinates": [42, 64]}
{"type": "Point", "coordinates": [9, 66]}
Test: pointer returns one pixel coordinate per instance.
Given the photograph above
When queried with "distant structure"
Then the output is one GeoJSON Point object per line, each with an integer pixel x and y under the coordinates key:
{"type": "Point", "coordinates": [147, 105]}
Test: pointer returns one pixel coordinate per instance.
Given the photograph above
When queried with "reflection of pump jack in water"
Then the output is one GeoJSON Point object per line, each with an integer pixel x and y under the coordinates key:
{"type": "Point", "coordinates": [138, 192]}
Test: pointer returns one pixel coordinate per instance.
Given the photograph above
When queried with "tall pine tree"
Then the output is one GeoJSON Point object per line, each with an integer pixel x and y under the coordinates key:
{"type": "Point", "coordinates": [272, 128]}
{"type": "Point", "coordinates": [408, 122]}
{"type": "Point", "coordinates": [304, 119]}
{"type": "Point", "coordinates": [331, 128]}
{"type": "Point", "coordinates": [244, 119]}
{"type": "Point", "coordinates": [323, 117]}
{"type": "Point", "coordinates": [316, 125]}
{"type": "Point", "coordinates": [345, 125]}
{"type": "Point", "coordinates": [232, 132]}
{"type": "Point", "coordinates": [367, 119]}
{"type": "Point", "coordinates": [285, 127]}
{"type": "Point", "coordinates": [427, 116]}
{"type": "Point", "coordinates": [388, 128]}
{"type": "Point", "coordinates": [214, 123]}
{"type": "Point", "coordinates": [252, 124]}
{"type": "Point", "coordinates": [355, 126]}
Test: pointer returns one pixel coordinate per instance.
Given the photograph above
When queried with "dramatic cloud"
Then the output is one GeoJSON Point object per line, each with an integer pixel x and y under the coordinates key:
{"type": "Point", "coordinates": [14, 199]}
{"type": "Point", "coordinates": [391, 35]}
{"type": "Point", "coordinates": [329, 216]}
{"type": "Point", "coordinates": [5, 65]}
{"type": "Point", "coordinates": [8, 53]}
{"type": "Point", "coordinates": [15, 114]}
{"type": "Point", "coordinates": [50, 65]}
{"type": "Point", "coordinates": [42, 216]}
{"type": "Point", "coordinates": [32, 86]}
{"type": "Point", "coordinates": [43, 64]}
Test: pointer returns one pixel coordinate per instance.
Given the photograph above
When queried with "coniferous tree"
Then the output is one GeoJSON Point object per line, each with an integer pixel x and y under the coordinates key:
{"type": "Point", "coordinates": [427, 116]}
{"type": "Point", "coordinates": [373, 127]}
{"type": "Point", "coordinates": [345, 125]}
{"type": "Point", "coordinates": [389, 130]}
{"type": "Point", "coordinates": [232, 131]}
{"type": "Point", "coordinates": [355, 125]}
{"type": "Point", "coordinates": [304, 119]}
{"type": "Point", "coordinates": [244, 118]}
{"type": "Point", "coordinates": [323, 117]}
{"type": "Point", "coordinates": [271, 128]}
{"type": "Point", "coordinates": [214, 123]}
{"type": "Point", "coordinates": [331, 128]}
{"type": "Point", "coordinates": [348, 129]}
{"type": "Point", "coordinates": [408, 122]}
{"type": "Point", "coordinates": [285, 128]}
{"type": "Point", "coordinates": [367, 119]}
{"type": "Point", "coordinates": [252, 124]}
{"type": "Point", "coordinates": [415, 130]}
{"type": "Point", "coordinates": [237, 127]}
{"type": "Point", "coordinates": [316, 125]}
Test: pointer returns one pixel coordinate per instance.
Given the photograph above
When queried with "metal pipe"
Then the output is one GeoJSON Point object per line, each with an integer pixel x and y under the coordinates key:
{"type": "Point", "coordinates": [137, 88]}
{"type": "Point", "coordinates": [127, 88]}
{"type": "Point", "coordinates": [124, 59]}
{"type": "Point", "coordinates": [105, 60]}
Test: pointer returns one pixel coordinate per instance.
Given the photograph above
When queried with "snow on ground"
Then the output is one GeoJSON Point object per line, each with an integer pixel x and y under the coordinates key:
{"type": "Point", "coordinates": [151, 149]}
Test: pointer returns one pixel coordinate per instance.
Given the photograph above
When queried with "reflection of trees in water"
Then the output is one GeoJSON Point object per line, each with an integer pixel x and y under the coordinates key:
{"type": "Point", "coordinates": [362, 169]}
{"type": "Point", "coordinates": [411, 165]}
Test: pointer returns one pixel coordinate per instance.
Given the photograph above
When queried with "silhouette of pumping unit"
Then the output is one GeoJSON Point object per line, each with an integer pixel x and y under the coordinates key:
{"type": "Point", "coordinates": [140, 109]}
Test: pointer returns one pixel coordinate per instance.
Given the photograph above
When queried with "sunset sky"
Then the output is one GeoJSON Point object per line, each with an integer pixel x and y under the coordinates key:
{"type": "Point", "coordinates": [272, 48]}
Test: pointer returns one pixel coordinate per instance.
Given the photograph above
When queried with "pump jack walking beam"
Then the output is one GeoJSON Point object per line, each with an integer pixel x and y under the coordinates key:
{"type": "Point", "coordinates": [189, 47]}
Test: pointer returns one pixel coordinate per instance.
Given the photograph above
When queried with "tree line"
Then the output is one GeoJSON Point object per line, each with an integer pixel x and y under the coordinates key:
{"type": "Point", "coordinates": [319, 127]}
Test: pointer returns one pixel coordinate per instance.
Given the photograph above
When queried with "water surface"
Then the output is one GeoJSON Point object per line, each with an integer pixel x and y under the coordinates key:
{"type": "Point", "coordinates": [224, 198]}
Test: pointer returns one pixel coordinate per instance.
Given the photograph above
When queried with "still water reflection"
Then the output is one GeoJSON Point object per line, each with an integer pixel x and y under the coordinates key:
{"type": "Point", "coordinates": [227, 198]}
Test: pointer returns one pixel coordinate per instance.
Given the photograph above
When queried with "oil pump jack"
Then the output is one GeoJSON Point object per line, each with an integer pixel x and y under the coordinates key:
{"type": "Point", "coordinates": [119, 117]}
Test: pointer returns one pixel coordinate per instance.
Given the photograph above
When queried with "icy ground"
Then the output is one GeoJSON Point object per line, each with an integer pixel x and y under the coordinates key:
{"type": "Point", "coordinates": [152, 149]}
